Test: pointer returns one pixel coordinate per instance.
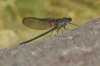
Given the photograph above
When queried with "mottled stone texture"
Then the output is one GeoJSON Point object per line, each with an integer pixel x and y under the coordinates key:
{"type": "Point", "coordinates": [77, 47]}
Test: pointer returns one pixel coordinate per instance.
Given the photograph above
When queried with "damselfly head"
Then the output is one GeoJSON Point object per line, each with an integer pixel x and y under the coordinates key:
{"type": "Point", "coordinates": [67, 19]}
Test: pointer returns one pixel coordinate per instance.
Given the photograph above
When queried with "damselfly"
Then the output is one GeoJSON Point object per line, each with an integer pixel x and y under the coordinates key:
{"type": "Point", "coordinates": [45, 23]}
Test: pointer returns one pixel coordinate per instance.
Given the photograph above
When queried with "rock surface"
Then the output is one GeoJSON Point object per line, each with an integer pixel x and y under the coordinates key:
{"type": "Point", "coordinates": [77, 47]}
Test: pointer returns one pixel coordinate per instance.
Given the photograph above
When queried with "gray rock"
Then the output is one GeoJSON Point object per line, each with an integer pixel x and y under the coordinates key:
{"type": "Point", "coordinates": [77, 47]}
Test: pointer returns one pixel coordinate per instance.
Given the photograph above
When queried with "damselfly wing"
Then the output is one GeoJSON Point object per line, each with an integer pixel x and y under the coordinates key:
{"type": "Point", "coordinates": [36, 23]}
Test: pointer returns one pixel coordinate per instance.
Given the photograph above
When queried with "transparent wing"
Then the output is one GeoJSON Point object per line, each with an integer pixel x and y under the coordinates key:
{"type": "Point", "coordinates": [36, 23]}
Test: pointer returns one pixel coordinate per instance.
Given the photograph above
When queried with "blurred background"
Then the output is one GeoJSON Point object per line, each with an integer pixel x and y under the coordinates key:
{"type": "Point", "coordinates": [13, 32]}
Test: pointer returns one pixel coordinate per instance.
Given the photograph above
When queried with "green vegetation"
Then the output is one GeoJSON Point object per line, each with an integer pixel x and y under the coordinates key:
{"type": "Point", "coordinates": [12, 31]}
